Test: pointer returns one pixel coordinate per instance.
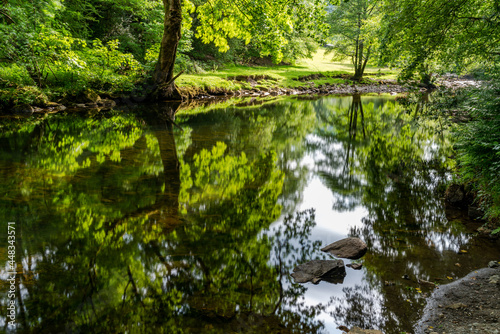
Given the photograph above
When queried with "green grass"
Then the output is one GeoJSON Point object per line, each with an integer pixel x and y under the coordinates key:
{"type": "Point", "coordinates": [282, 76]}
{"type": "Point", "coordinates": [17, 88]}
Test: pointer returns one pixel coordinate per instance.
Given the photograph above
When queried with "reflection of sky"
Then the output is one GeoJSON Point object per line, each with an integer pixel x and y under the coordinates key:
{"type": "Point", "coordinates": [330, 226]}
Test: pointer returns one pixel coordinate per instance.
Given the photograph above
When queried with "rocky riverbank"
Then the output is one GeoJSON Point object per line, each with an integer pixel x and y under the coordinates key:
{"type": "Point", "coordinates": [470, 305]}
{"type": "Point", "coordinates": [91, 100]}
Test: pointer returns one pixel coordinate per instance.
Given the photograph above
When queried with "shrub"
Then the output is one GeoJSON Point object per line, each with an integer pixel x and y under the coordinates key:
{"type": "Point", "coordinates": [478, 145]}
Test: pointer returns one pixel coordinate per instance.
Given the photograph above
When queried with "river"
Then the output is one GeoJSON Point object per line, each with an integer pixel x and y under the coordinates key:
{"type": "Point", "coordinates": [128, 223]}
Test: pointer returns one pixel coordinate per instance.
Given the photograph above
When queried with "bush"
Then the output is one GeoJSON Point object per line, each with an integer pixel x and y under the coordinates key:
{"type": "Point", "coordinates": [14, 75]}
{"type": "Point", "coordinates": [478, 145]}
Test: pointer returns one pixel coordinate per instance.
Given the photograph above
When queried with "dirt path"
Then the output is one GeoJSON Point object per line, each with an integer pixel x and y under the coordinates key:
{"type": "Point", "coordinates": [470, 305]}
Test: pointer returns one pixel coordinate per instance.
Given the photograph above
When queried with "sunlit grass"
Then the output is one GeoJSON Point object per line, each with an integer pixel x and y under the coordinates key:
{"type": "Point", "coordinates": [283, 75]}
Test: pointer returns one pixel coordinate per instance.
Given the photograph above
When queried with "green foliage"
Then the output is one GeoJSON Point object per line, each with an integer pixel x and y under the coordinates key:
{"type": "Point", "coordinates": [52, 48]}
{"type": "Point", "coordinates": [478, 145]}
{"type": "Point", "coordinates": [473, 116]}
{"type": "Point", "coordinates": [427, 36]}
{"type": "Point", "coordinates": [269, 26]}
{"type": "Point", "coordinates": [22, 95]}
{"type": "Point", "coordinates": [354, 26]}
{"type": "Point", "coordinates": [13, 75]}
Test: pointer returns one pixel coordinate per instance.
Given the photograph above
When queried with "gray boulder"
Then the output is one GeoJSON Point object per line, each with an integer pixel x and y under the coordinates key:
{"type": "Point", "coordinates": [348, 248]}
{"type": "Point", "coordinates": [332, 271]}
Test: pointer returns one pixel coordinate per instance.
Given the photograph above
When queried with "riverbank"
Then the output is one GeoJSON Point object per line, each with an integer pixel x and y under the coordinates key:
{"type": "Point", "coordinates": [468, 305]}
{"type": "Point", "coordinates": [92, 100]}
{"type": "Point", "coordinates": [318, 75]}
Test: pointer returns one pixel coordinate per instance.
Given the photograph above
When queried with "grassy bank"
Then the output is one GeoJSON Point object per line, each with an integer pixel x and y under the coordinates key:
{"type": "Point", "coordinates": [17, 88]}
{"type": "Point", "coordinates": [319, 70]}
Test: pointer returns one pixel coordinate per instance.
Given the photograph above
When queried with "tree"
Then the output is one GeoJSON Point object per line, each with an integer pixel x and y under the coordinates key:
{"type": "Point", "coordinates": [164, 72]}
{"type": "Point", "coordinates": [452, 35]}
{"type": "Point", "coordinates": [354, 25]}
{"type": "Point", "coordinates": [267, 24]}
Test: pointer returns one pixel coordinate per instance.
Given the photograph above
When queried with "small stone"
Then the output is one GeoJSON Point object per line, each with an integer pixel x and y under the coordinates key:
{"type": "Point", "coordinates": [495, 279]}
{"type": "Point", "coordinates": [357, 330]}
{"type": "Point", "coordinates": [456, 306]}
{"type": "Point", "coordinates": [355, 266]}
{"type": "Point", "coordinates": [344, 329]}
{"type": "Point", "coordinates": [80, 105]}
{"type": "Point", "coordinates": [493, 264]}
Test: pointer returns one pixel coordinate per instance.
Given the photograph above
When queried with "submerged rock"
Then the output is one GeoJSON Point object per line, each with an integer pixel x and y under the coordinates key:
{"type": "Point", "coordinates": [355, 266]}
{"type": "Point", "coordinates": [332, 271]}
{"type": "Point", "coordinates": [348, 248]}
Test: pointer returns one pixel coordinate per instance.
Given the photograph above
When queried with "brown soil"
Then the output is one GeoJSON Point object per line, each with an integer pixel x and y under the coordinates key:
{"type": "Point", "coordinates": [469, 305]}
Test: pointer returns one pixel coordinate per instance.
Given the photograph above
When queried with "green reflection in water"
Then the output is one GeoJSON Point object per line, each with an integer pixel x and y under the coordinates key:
{"type": "Point", "coordinates": [127, 224]}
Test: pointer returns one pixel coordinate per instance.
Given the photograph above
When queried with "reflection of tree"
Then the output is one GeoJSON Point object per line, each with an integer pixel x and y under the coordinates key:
{"type": "Point", "coordinates": [356, 307]}
{"type": "Point", "coordinates": [382, 159]}
{"type": "Point", "coordinates": [292, 247]}
{"type": "Point", "coordinates": [161, 226]}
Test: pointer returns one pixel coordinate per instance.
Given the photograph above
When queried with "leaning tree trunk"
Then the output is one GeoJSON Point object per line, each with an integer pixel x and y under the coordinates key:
{"type": "Point", "coordinates": [164, 71]}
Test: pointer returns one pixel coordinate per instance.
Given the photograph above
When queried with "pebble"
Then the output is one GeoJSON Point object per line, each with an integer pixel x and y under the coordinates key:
{"type": "Point", "coordinates": [495, 279]}
{"type": "Point", "coordinates": [456, 306]}
{"type": "Point", "coordinates": [493, 264]}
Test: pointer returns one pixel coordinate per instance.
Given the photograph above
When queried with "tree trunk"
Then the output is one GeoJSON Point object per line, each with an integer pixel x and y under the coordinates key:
{"type": "Point", "coordinates": [358, 67]}
{"type": "Point", "coordinates": [164, 71]}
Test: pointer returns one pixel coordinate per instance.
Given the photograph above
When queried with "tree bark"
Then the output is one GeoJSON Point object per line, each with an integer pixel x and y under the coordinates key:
{"type": "Point", "coordinates": [164, 71]}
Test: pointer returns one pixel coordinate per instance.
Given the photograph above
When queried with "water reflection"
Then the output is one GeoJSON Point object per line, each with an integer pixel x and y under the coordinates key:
{"type": "Point", "coordinates": [379, 157]}
{"type": "Point", "coordinates": [134, 223]}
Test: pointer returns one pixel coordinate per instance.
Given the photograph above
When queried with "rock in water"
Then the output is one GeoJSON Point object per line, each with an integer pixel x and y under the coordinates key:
{"type": "Point", "coordinates": [348, 248]}
{"type": "Point", "coordinates": [332, 271]}
{"type": "Point", "coordinates": [23, 109]}
{"type": "Point", "coordinates": [355, 266]}
{"type": "Point", "coordinates": [493, 264]}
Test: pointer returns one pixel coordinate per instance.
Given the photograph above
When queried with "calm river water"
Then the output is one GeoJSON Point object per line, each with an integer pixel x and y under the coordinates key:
{"type": "Point", "coordinates": [125, 223]}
